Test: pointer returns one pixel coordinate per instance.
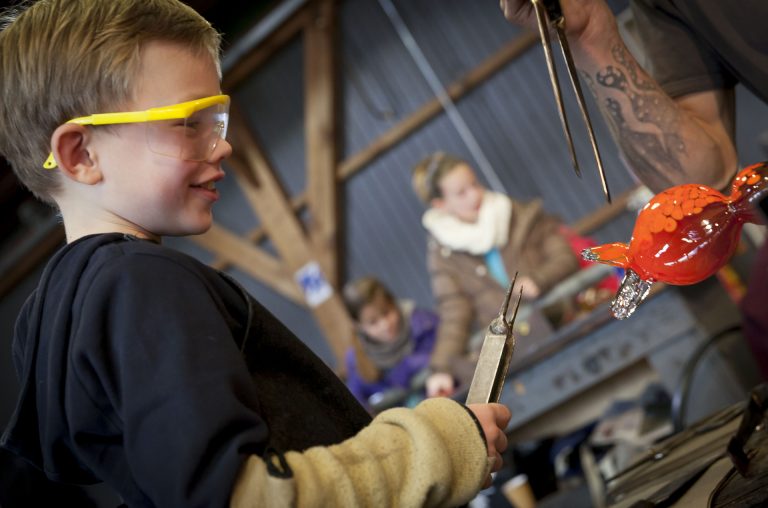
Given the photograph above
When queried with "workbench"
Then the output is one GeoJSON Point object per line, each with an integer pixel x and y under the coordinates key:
{"type": "Point", "coordinates": [568, 379]}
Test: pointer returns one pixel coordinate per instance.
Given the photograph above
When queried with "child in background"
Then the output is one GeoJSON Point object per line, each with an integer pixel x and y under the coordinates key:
{"type": "Point", "coordinates": [394, 336]}
{"type": "Point", "coordinates": [143, 368]}
{"type": "Point", "coordinates": [478, 240]}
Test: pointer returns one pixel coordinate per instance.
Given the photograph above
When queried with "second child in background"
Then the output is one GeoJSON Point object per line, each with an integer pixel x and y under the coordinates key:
{"type": "Point", "coordinates": [478, 240]}
{"type": "Point", "coordinates": [394, 337]}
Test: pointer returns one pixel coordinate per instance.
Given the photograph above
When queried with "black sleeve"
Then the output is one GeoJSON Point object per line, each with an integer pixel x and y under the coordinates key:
{"type": "Point", "coordinates": [155, 353]}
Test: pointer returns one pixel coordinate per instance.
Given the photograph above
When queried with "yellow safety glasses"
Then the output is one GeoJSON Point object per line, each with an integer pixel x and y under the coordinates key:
{"type": "Point", "coordinates": [188, 131]}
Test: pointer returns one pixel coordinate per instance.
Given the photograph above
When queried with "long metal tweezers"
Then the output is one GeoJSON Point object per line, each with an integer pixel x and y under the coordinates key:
{"type": "Point", "coordinates": [549, 13]}
{"type": "Point", "coordinates": [495, 355]}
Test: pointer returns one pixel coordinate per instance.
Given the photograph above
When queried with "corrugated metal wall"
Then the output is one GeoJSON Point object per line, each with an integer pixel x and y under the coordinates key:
{"type": "Point", "coordinates": [512, 116]}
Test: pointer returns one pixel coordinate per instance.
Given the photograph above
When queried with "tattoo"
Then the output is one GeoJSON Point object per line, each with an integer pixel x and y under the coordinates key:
{"type": "Point", "coordinates": [645, 150]}
{"type": "Point", "coordinates": [620, 54]}
{"type": "Point", "coordinates": [649, 131]}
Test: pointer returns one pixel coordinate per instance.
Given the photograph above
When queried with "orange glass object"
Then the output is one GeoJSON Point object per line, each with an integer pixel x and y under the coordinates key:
{"type": "Point", "coordinates": [683, 235]}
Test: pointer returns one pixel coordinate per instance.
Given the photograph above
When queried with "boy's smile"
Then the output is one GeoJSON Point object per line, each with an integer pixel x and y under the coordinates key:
{"type": "Point", "coordinates": [207, 188]}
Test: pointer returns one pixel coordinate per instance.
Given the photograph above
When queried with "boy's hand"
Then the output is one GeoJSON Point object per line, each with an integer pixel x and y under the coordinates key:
{"type": "Point", "coordinates": [439, 384]}
{"type": "Point", "coordinates": [493, 419]}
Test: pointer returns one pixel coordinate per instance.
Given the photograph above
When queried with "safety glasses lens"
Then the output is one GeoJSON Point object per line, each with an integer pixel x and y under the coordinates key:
{"type": "Point", "coordinates": [193, 138]}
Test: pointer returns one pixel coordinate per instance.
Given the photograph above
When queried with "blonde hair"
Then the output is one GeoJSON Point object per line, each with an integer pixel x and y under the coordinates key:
{"type": "Point", "coordinates": [60, 59]}
{"type": "Point", "coordinates": [428, 173]}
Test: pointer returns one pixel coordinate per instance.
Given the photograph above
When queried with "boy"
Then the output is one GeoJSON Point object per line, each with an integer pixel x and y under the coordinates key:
{"type": "Point", "coordinates": [394, 337]}
{"type": "Point", "coordinates": [142, 367]}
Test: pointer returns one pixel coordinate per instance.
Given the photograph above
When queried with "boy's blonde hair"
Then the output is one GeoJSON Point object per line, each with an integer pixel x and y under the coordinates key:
{"type": "Point", "coordinates": [428, 173]}
{"type": "Point", "coordinates": [60, 59]}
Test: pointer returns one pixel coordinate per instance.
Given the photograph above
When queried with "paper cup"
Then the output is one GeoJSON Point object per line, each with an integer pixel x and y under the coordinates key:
{"type": "Point", "coordinates": [518, 492]}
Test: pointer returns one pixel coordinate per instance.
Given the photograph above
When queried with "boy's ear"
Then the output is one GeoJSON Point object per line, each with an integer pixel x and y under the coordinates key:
{"type": "Point", "coordinates": [70, 147]}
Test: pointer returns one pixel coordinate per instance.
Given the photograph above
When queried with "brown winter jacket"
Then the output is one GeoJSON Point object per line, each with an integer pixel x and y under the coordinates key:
{"type": "Point", "coordinates": [468, 297]}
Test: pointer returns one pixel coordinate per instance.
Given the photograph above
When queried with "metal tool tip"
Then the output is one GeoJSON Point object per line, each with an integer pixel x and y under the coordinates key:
{"type": "Point", "coordinates": [517, 306]}
{"type": "Point", "coordinates": [499, 323]}
{"type": "Point", "coordinates": [507, 298]}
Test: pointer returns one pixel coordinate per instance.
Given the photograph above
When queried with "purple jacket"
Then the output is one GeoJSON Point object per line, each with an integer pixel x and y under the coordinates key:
{"type": "Point", "coordinates": [423, 333]}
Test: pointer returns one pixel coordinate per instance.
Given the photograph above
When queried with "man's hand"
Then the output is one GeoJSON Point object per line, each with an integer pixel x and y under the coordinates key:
{"type": "Point", "coordinates": [587, 22]}
{"type": "Point", "coordinates": [493, 419]}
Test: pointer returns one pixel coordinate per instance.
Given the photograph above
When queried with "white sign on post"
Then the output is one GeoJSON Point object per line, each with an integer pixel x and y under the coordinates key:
{"type": "Point", "coordinates": [316, 289]}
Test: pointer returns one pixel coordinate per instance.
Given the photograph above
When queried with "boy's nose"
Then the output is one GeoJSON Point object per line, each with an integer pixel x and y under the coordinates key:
{"type": "Point", "coordinates": [222, 151]}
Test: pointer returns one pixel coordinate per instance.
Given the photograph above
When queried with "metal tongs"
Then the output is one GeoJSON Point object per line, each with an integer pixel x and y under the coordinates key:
{"type": "Point", "coordinates": [549, 13]}
{"type": "Point", "coordinates": [495, 355]}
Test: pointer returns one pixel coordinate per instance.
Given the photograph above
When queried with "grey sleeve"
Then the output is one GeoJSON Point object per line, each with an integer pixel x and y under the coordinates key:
{"type": "Point", "coordinates": [680, 62]}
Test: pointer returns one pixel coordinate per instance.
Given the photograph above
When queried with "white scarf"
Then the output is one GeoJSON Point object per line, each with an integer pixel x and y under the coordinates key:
{"type": "Point", "coordinates": [490, 230]}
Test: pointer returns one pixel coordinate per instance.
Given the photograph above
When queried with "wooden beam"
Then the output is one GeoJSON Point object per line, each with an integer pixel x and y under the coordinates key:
{"type": "Point", "coordinates": [266, 196]}
{"type": "Point", "coordinates": [254, 261]}
{"type": "Point", "coordinates": [258, 233]}
{"type": "Point", "coordinates": [320, 134]}
{"type": "Point", "coordinates": [261, 53]}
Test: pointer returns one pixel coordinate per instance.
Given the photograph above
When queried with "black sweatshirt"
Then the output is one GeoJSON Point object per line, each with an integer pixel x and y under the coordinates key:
{"type": "Point", "coordinates": [146, 369]}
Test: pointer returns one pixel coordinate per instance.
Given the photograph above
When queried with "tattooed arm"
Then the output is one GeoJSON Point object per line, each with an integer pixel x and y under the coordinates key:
{"type": "Point", "coordinates": [665, 141]}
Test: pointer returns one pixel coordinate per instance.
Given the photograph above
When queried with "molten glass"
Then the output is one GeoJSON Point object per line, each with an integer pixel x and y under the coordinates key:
{"type": "Point", "coordinates": [682, 236]}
